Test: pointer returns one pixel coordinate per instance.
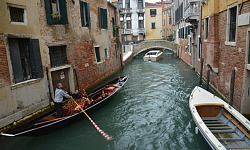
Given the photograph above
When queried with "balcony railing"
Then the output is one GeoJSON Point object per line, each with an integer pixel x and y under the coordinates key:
{"type": "Point", "coordinates": [141, 30]}
{"type": "Point", "coordinates": [140, 10]}
{"type": "Point", "coordinates": [126, 31]}
{"type": "Point", "coordinates": [191, 12]}
{"type": "Point", "coordinates": [126, 10]}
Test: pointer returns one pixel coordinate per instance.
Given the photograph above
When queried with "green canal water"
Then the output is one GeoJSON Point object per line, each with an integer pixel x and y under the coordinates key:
{"type": "Point", "coordinates": [150, 112]}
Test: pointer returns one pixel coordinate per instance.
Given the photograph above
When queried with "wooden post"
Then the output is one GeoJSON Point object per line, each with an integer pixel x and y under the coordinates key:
{"type": "Point", "coordinates": [121, 61]}
{"type": "Point", "coordinates": [201, 71]}
{"type": "Point", "coordinates": [208, 79]}
{"type": "Point", "coordinates": [232, 88]}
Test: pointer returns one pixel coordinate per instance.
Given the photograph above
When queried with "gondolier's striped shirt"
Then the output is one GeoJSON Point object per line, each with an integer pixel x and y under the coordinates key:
{"type": "Point", "coordinates": [59, 94]}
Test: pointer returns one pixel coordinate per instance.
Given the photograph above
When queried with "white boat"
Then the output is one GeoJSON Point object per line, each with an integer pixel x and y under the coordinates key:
{"type": "Point", "coordinates": [220, 124]}
{"type": "Point", "coordinates": [153, 55]}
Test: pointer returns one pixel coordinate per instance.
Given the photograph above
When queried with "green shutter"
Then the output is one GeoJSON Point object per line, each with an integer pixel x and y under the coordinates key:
{"type": "Point", "coordinates": [81, 7]}
{"type": "Point", "coordinates": [48, 11]}
{"type": "Point", "coordinates": [105, 19]}
{"type": "Point", "coordinates": [100, 17]}
{"type": "Point", "coordinates": [63, 11]}
{"type": "Point", "coordinates": [35, 58]}
{"type": "Point", "coordinates": [150, 12]}
{"type": "Point", "coordinates": [155, 11]}
{"type": "Point", "coordinates": [87, 12]}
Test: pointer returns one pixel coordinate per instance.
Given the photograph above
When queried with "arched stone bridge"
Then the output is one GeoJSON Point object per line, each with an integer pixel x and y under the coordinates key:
{"type": "Point", "coordinates": [145, 45]}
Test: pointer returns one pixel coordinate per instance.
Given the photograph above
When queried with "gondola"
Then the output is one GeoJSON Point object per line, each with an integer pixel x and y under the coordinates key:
{"type": "Point", "coordinates": [220, 124]}
{"type": "Point", "coordinates": [49, 122]}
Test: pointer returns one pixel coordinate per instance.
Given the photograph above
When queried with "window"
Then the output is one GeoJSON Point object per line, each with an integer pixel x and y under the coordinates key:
{"type": "Point", "coordinates": [103, 24]}
{"type": "Point", "coordinates": [152, 12]}
{"type": "Point", "coordinates": [56, 12]}
{"type": "Point", "coordinates": [17, 14]}
{"type": "Point", "coordinates": [26, 59]}
{"type": "Point", "coordinates": [232, 24]}
{"type": "Point", "coordinates": [206, 27]}
{"type": "Point", "coordinates": [97, 54]}
{"type": "Point", "coordinates": [128, 24]}
{"type": "Point", "coordinates": [170, 20]}
{"type": "Point", "coordinates": [58, 56]}
{"type": "Point", "coordinates": [179, 13]}
{"type": "Point", "coordinates": [106, 53]}
{"type": "Point", "coordinates": [186, 49]}
{"type": "Point", "coordinates": [169, 12]}
{"type": "Point", "coordinates": [85, 14]}
{"type": "Point", "coordinates": [199, 52]}
{"type": "Point", "coordinates": [141, 23]}
{"type": "Point", "coordinates": [116, 51]}
{"type": "Point", "coordinates": [153, 25]}
{"type": "Point", "coordinates": [140, 3]}
{"type": "Point", "coordinates": [164, 22]}
{"type": "Point", "coordinates": [127, 3]}
{"type": "Point", "coordinates": [187, 31]}
{"type": "Point", "coordinates": [120, 5]}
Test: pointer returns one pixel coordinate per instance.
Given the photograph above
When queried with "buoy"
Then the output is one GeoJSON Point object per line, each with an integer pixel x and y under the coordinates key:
{"type": "Point", "coordinates": [196, 130]}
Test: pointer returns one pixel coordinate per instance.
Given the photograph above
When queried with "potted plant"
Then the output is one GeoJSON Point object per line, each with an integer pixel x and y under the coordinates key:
{"type": "Point", "coordinates": [56, 18]}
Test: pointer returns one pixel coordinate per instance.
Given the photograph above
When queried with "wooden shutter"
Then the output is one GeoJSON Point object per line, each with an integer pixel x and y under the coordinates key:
{"type": "Point", "coordinates": [81, 7]}
{"type": "Point", "coordinates": [155, 11]}
{"type": "Point", "coordinates": [105, 19]}
{"type": "Point", "coordinates": [16, 60]}
{"type": "Point", "coordinates": [150, 12]}
{"type": "Point", "coordinates": [87, 14]}
{"type": "Point", "coordinates": [48, 11]}
{"type": "Point", "coordinates": [63, 11]}
{"type": "Point", "coordinates": [100, 17]}
{"type": "Point", "coordinates": [35, 58]}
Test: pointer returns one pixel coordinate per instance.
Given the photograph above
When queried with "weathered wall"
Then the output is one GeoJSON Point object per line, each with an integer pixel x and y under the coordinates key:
{"type": "Point", "coordinates": [153, 34]}
{"type": "Point", "coordinates": [217, 53]}
{"type": "Point", "coordinates": [18, 100]}
{"type": "Point", "coordinates": [80, 42]}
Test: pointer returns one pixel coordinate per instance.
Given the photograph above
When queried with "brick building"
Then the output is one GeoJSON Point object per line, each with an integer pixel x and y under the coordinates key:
{"type": "Point", "coordinates": [43, 41]}
{"type": "Point", "coordinates": [182, 31]}
{"type": "Point", "coordinates": [83, 39]}
{"type": "Point", "coordinates": [23, 81]}
{"type": "Point", "coordinates": [221, 38]}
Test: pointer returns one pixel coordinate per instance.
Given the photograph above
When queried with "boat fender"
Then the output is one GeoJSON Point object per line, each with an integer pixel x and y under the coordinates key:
{"type": "Point", "coordinates": [196, 130]}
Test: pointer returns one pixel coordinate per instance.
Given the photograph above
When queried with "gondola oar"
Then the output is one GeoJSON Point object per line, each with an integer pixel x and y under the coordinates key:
{"type": "Point", "coordinates": [103, 133]}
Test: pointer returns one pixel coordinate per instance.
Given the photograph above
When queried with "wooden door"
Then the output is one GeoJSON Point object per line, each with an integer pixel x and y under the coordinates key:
{"type": "Point", "coordinates": [61, 76]}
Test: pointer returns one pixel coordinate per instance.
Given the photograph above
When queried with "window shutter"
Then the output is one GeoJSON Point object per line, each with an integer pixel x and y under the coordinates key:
{"type": "Point", "coordinates": [100, 17]}
{"type": "Point", "coordinates": [150, 12]}
{"type": "Point", "coordinates": [63, 11]}
{"type": "Point", "coordinates": [16, 60]}
{"type": "Point", "coordinates": [48, 11]}
{"type": "Point", "coordinates": [35, 58]}
{"type": "Point", "coordinates": [155, 11]}
{"type": "Point", "coordinates": [81, 7]}
{"type": "Point", "coordinates": [87, 14]}
{"type": "Point", "coordinates": [105, 19]}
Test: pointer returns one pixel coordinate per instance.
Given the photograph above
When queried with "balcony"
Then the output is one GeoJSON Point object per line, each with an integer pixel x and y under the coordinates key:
{"type": "Point", "coordinates": [191, 12]}
{"type": "Point", "coordinates": [141, 30]}
{"type": "Point", "coordinates": [140, 10]}
{"type": "Point", "coordinates": [126, 31]}
{"type": "Point", "coordinates": [126, 10]}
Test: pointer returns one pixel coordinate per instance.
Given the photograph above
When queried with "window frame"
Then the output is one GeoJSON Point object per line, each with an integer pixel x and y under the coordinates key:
{"type": "Point", "coordinates": [103, 22]}
{"type": "Point", "coordinates": [151, 12]}
{"type": "Point", "coordinates": [227, 42]}
{"type": "Point", "coordinates": [152, 25]}
{"type": "Point", "coordinates": [25, 21]}
{"type": "Point", "coordinates": [85, 14]}
{"type": "Point", "coordinates": [206, 28]}
{"type": "Point", "coordinates": [98, 62]}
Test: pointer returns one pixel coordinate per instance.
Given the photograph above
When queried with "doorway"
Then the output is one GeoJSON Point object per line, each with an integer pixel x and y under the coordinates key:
{"type": "Point", "coordinates": [61, 76]}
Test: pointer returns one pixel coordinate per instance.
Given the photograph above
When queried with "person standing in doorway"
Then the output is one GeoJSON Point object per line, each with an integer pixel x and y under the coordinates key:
{"type": "Point", "coordinates": [59, 94]}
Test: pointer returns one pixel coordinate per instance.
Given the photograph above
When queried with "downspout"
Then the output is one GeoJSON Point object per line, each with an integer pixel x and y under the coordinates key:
{"type": "Point", "coordinates": [201, 29]}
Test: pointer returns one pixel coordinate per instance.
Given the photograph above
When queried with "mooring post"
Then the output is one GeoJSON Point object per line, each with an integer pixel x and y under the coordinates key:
{"type": "Point", "coordinates": [232, 88]}
{"type": "Point", "coordinates": [201, 71]}
{"type": "Point", "coordinates": [121, 61]}
{"type": "Point", "coordinates": [208, 79]}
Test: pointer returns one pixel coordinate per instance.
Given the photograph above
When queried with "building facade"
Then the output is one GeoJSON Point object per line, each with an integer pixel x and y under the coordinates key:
{"type": "Point", "coordinates": [153, 13]}
{"type": "Point", "coordinates": [132, 19]}
{"type": "Point", "coordinates": [23, 81]}
{"type": "Point", "coordinates": [45, 42]}
{"type": "Point", "coordinates": [167, 20]}
{"type": "Point", "coordinates": [224, 32]}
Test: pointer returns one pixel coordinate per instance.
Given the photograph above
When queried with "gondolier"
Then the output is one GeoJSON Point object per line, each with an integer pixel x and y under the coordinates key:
{"type": "Point", "coordinates": [59, 94]}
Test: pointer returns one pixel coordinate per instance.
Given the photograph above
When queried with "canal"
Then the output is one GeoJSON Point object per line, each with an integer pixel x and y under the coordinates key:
{"type": "Point", "coordinates": [150, 112]}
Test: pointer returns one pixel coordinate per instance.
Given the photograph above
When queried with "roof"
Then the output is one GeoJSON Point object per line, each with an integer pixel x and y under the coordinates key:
{"type": "Point", "coordinates": [151, 4]}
